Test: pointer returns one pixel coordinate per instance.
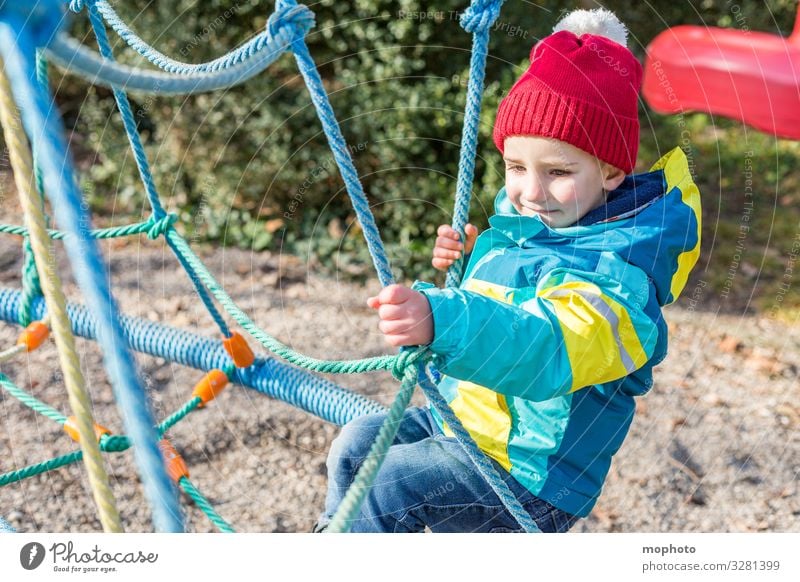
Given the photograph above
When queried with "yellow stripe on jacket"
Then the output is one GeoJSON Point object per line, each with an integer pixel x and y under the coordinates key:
{"type": "Point", "coordinates": [484, 412]}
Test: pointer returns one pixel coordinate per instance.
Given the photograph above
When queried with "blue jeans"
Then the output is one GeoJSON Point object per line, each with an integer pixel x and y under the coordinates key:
{"type": "Point", "coordinates": [426, 479]}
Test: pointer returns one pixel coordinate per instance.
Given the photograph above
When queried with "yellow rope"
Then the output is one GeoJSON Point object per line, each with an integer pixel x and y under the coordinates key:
{"type": "Point", "coordinates": [41, 244]}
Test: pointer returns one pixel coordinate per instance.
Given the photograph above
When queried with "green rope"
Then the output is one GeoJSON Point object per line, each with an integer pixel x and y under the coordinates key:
{"type": "Point", "coordinates": [114, 443]}
{"type": "Point", "coordinates": [31, 401]}
{"type": "Point", "coordinates": [31, 286]}
{"type": "Point", "coordinates": [395, 364]}
{"type": "Point", "coordinates": [39, 468]}
{"type": "Point", "coordinates": [205, 506]}
{"type": "Point", "coordinates": [155, 226]}
{"type": "Point", "coordinates": [178, 415]}
{"type": "Point", "coordinates": [351, 504]}
{"type": "Point", "coordinates": [41, 77]}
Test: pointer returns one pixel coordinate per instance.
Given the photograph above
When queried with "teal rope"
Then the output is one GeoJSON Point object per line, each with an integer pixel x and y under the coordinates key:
{"type": "Point", "coordinates": [42, 78]}
{"type": "Point", "coordinates": [351, 503]}
{"type": "Point", "coordinates": [395, 364]}
{"type": "Point", "coordinates": [205, 506]}
{"type": "Point", "coordinates": [478, 458]}
{"type": "Point", "coordinates": [147, 227]}
{"type": "Point", "coordinates": [178, 415]}
{"type": "Point", "coordinates": [31, 285]}
{"type": "Point", "coordinates": [31, 401]}
{"type": "Point", "coordinates": [39, 468]}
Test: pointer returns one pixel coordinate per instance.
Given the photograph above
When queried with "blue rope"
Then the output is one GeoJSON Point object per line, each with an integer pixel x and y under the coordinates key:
{"type": "Point", "coordinates": [144, 167]}
{"type": "Point", "coordinates": [284, 27]}
{"type": "Point", "coordinates": [127, 119]}
{"type": "Point", "coordinates": [269, 376]}
{"type": "Point", "coordinates": [344, 161]}
{"type": "Point", "coordinates": [477, 19]}
{"type": "Point", "coordinates": [165, 63]}
{"type": "Point", "coordinates": [44, 126]}
{"type": "Point", "coordinates": [202, 292]}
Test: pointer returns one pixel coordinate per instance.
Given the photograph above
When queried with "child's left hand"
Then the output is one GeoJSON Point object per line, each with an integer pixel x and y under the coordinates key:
{"type": "Point", "coordinates": [406, 318]}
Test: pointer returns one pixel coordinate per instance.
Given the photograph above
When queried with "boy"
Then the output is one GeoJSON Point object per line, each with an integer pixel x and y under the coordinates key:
{"type": "Point", "coordinates": [557, 323]}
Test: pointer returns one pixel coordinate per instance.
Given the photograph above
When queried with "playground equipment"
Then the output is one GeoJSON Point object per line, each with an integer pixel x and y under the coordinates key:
{"type": "Point", "coordinates": [29, 36]}
{"type": "Point", "coordinates": [741, 74]}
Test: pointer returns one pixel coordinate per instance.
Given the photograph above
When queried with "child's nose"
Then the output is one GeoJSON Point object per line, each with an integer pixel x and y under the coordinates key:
{"type": "Point", "coordinates": [533, 191]}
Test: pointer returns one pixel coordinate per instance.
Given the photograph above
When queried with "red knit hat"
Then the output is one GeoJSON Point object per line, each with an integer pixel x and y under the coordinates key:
{"type": "Point", "coordinates": [582, 88]}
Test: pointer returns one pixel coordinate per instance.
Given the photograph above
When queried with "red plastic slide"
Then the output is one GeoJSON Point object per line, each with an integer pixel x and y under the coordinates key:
{"type": "Point", "coordinates": [741, 74]}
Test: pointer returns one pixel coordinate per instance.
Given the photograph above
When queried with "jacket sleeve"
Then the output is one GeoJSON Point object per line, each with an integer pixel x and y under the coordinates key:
{"type": "Point", "coordinates": [573, 329]}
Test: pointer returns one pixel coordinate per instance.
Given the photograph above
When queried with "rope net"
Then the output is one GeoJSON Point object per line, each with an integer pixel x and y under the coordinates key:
{"type": "Point", "coordinates": [28, 36]}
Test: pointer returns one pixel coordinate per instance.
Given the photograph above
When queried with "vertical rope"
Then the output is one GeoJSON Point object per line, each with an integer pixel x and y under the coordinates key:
{"type": "Point", "coordinates": [354, 498]}
{"type": "Point", "coordinates": [51, 285]}
{"type": "Point", "coordinates": [478, 19]}
{"type": "Point", "coordinates": [31, 287]}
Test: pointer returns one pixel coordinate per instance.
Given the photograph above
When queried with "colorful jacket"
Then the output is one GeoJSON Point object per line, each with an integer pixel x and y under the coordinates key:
{"type": "Point", "coordinates": [554, 331]}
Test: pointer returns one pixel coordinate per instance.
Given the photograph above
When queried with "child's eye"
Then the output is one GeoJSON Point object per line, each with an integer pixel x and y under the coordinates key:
{"type": "Point", "coordinates": [559, 173]}
{"type": "Point", "coordinates": [515, 168]}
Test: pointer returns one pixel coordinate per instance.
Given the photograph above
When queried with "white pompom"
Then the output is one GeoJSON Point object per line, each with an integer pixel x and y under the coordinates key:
{"type": "Point", "coordinates": [599, 21]}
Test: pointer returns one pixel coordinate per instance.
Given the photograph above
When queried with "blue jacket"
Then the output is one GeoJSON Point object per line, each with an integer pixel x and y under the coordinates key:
{"type": "Point", "coordinates": [554, 331]}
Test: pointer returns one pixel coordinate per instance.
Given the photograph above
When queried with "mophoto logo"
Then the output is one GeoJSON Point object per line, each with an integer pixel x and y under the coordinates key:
{"type": "Point", "coordinates": [31, 555]}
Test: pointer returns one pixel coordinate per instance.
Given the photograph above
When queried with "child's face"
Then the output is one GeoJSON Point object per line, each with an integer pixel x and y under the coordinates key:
{"type": "Point", "coordinates": [556, 180]}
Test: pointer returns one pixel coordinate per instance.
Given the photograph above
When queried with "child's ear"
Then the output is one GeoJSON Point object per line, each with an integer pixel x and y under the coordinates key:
{"type": "Point", "coordinates": [612, 177]}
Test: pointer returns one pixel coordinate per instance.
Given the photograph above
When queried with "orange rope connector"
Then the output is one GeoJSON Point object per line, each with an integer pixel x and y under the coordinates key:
{"type": "Point", "coordinates": [33, 336]}
{"type": "Point", "coordinates": [238, 350]}
{"type": "Point", "coordinates": [176, 467]}
{"type": "Point", "coordinates": [71, 428]}
{"type": "Point", "coordinates": [212, 384]}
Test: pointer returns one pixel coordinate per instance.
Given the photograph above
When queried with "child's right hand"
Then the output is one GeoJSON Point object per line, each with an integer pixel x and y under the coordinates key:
{"type": "Point", "coordinates": [449, 246]}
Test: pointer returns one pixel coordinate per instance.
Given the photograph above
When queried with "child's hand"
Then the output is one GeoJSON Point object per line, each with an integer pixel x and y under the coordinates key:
{"type": "Point", "coordinates": [448, 245]}
{"type": "Point", "coordinates": [406, 318]}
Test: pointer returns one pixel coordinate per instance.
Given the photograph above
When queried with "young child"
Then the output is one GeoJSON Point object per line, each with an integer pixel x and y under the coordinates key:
{"type": "Point", "coordinates": [557, 324]}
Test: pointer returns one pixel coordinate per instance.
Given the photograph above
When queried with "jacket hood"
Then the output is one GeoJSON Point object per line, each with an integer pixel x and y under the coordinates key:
{"type": "Point", "coordinates": [653, 221]}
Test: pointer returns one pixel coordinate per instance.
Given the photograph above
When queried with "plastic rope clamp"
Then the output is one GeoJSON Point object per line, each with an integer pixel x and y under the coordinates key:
{"type": "Point", "coordinates": [33, 336]}
{"type": "Point", "coordinates": [71, 428]}
{"type": "Point", "coordinates": [212, 384]}
{"type": "Point", "coordinates": [176, 466]}
{"type": "Point", "coordinates": [239, 350]}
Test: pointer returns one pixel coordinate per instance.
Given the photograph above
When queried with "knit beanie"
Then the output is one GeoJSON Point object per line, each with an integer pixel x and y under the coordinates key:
{"type": "Point", "coordinates": [582, 87]}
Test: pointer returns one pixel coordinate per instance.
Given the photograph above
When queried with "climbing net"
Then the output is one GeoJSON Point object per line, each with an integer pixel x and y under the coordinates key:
{"type": "Point", "coordinates": [30, 36]}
